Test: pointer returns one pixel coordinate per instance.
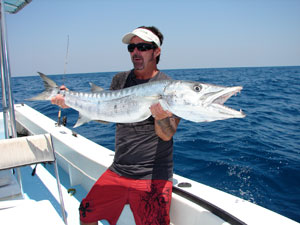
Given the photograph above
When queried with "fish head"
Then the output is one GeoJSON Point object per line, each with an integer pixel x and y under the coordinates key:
{"type": "Point", "coordinates": [200, 102]}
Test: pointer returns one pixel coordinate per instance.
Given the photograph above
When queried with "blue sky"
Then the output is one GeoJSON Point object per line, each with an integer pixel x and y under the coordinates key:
{"type": "Point", "coordinates": [198, 34]}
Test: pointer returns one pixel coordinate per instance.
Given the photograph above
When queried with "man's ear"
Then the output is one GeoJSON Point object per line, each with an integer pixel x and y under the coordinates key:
{"type": "Point", "coordinates": [156, 52]}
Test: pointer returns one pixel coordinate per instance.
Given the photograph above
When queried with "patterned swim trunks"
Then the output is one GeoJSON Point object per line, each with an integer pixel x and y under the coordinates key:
{"type": "Point", "coordinates": [149, 200]}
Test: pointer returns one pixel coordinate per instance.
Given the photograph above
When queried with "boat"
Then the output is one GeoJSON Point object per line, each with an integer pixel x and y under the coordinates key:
{"type": "Point", "coordinates": [81, 162]}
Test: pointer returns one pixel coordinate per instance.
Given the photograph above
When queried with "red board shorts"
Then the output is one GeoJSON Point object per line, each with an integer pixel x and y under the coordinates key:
{"type": "Point", "coordinates": [149, 200]}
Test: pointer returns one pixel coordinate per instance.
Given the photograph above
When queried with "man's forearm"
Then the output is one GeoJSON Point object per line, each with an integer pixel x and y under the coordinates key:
{"type": "Point", "coordinates": [166, 128]}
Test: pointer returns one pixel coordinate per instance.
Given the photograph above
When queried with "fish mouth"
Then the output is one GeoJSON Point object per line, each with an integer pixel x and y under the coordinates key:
{"type": "Point", "coordinates": [225, 94]}
{"type": "Point", "coordinates": [221, 97]}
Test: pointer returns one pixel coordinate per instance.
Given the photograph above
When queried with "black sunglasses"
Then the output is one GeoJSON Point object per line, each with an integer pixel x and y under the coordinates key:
{"type": "Point", "coordinates": [141, 47]}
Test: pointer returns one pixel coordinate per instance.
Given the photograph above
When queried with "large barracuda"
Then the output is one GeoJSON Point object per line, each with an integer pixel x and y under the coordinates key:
{"type": "Point", "coordinates": [194, 101]}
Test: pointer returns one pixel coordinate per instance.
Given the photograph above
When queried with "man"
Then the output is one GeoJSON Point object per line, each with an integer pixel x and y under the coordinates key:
{"type": "Point", "coordinates": [141, 173]}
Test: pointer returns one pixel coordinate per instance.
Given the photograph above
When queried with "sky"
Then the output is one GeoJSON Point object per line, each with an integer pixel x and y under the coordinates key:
{"type": "Point", "coordinates": [197, 34]}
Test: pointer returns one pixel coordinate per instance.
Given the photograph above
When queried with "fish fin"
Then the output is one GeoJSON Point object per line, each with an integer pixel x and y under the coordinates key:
{"type": "Point", "coordinates": [51, 89]}
{"type": "Point", "coordinates": [81, 120]}
{"type": "Point", "coordinates": [95, 88]}
{"type": "Point", "coordinates": [101, 121]}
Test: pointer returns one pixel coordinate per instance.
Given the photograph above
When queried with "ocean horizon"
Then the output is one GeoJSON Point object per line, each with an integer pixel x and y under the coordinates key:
{"type": "Point", "coordinates": [166, 69]}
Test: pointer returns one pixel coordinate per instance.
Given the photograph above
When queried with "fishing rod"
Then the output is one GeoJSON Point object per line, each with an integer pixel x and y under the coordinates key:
{"type": "Point", "coordinates": [59, 122]}
{"type": "Point", "coordinates": [66, 59]}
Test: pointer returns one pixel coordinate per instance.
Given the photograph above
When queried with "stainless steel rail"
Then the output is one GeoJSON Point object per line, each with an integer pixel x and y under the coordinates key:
{"type": "Point", "coordinates": [7, 95]}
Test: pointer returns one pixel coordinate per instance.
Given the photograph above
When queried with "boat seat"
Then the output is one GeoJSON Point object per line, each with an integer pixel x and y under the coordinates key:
{"type": "Point", "coordinates": [23, 151]}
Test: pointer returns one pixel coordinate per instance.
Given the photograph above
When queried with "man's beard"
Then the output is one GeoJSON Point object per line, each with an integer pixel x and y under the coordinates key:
{"type": "Point", "coordinates": [138, 65]}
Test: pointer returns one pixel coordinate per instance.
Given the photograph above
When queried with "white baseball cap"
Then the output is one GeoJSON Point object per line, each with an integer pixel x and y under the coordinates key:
{"type": "Point", "coordinates": [142, 33]}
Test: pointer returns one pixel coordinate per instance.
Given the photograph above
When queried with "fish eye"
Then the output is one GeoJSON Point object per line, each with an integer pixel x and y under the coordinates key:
{"type": "Point", "coordinates": [197, 88]}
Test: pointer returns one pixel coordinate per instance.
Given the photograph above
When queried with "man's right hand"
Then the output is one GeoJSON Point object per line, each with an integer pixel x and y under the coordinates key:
{"type": "Point", "coordinates": [59, 99]}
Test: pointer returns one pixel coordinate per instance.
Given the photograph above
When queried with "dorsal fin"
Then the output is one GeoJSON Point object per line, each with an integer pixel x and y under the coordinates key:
{"type": "Point", "coordinates": [95, 88]}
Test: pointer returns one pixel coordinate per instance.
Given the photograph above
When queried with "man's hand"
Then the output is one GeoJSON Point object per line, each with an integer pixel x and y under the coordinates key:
{"type": "Point", "coordinates": [59, 99]}
{"type": "Point", "coordinates": [165, 124]}
{"type": "Point", "coordinates": [159, 113]}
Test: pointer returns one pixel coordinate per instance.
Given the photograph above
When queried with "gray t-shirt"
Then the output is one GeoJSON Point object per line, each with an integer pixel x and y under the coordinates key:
{"type": "Point", "coordinates": [139, 152]}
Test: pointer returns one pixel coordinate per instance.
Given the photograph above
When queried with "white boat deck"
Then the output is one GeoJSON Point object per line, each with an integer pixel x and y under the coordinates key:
{"type": "Point", "coordinates": [40, 192]}
{"type": "Point", "coordinates": [31, 212]}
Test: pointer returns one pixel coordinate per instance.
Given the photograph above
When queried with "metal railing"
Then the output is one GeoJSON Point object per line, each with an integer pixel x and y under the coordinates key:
{"type": "Point", "coordinates": [7, 95]}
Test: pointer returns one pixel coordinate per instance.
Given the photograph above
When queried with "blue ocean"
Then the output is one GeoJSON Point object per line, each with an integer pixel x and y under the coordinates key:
{"type": "Point", "coordinates": [256, 158]}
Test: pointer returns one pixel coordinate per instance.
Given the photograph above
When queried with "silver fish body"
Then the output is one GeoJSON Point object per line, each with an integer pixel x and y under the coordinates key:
{"type": "Point", "coordinates": [194, 101]}
{"type": "Point", "coordinates": [127, 105]}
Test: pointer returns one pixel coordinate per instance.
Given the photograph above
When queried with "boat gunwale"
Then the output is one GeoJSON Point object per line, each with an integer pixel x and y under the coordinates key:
{"type": "Point", "coordinates": [209, 206]}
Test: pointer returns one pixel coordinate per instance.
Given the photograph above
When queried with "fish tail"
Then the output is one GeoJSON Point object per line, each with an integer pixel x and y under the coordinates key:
{"type": "Point", "coordinates": [51, 89]}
